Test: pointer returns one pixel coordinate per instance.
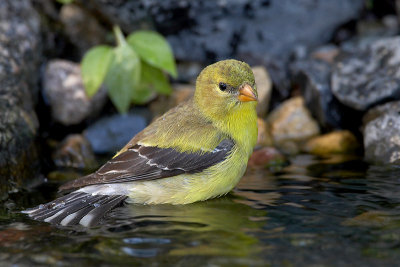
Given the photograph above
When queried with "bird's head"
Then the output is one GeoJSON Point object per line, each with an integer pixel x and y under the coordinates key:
{"type": "Point", "coordinates": [225, 89]}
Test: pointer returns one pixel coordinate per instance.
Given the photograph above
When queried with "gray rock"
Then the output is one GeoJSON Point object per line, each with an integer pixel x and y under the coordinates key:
{"type": "Point", "coordinates": [373, 113]}
{"type": "Point", "coordinates": [64, 92]}
{"type": "Point", "coordinates": [110, 134]}
{"type": "Point", "coordinates": [241, 26]}
{"type": "Point", "coordinates": [313, 77]}
{"type": "Point", "coordinates": [262, 32]}
{"type": "Point", "coordinates": [370, 76]}
{"type": "Point", "coordinates": [369, 31]}
{"type": "Point", "coordinates": [20, 51]}
{"type": "Point", "coordinates": [382, 139]}
{"type": "Point", "coordinates": [81, 27]}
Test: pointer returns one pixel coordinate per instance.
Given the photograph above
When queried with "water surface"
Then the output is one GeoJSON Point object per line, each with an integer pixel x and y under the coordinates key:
{"type": "Point", "coordinates": [336, 211]}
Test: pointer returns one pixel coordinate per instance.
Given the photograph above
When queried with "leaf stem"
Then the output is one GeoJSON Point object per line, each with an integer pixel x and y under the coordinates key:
{"type": "Point", "coordinates": [119, 36]}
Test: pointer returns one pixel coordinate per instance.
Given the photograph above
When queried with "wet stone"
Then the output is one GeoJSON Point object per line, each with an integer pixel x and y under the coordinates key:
{"type": "Point", "coordinates": [64, 92]}
{"type": "Point", "coordinates": [370, 76]}
{"type": "Point", "coordinates": [75, 152]}
{"type": "Point", "coordinates": [291, 124]}
{"type": "Point", "coordinates": [313, 78]}
{"type": "Point", "coordinates": [382, 139]}
{"type": "Point", "coordinates": [373, 113]}
{"type": "Point", "coordinates": [20, 51]}
{"type": "Point", "coordinates": [109, 134]}
{"type": "Point", "coordinates": [337, 142]}
{"type": "Point", "coordinates": [247, 29]}
{"type": "Point", "coordinates": [266, 157]}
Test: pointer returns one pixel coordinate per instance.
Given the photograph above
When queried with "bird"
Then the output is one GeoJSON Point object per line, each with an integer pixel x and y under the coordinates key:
{"type": "Point", "coordinates": [196, 151]}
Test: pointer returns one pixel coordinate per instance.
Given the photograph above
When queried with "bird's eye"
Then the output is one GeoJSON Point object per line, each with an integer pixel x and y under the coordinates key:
{"type": "Point", "coordinates": [222, 86]}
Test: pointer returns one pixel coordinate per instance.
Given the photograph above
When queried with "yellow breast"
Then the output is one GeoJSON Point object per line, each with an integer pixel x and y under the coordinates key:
{"type": "Point", "coordinates": [188, 188]}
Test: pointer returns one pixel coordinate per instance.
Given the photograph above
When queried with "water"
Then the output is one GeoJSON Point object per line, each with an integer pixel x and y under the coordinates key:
{"type": "Point", "coordinates": [335, 211]}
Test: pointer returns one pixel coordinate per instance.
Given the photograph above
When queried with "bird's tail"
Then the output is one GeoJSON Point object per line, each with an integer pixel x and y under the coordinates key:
{"type": "Point", "coordinates": [76, 208]}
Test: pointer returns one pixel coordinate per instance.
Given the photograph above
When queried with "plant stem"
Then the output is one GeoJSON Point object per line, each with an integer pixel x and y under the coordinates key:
{"type": "Point", "coordinates": [119, 36]}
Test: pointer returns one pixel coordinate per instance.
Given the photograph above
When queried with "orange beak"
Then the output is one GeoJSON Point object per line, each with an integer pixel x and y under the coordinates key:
{"type": "Point", "coordinates": [246, 94]}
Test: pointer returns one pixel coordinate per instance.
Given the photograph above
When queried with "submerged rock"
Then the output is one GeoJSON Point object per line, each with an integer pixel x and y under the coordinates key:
{"type": "Point", "coordinates": [337, 142]}
{"type": "Point", "coordinates": [290, 124]}
{"type": "Point", "coordinates": [370, 76]}
{"type": "Point", "coordinates": [75, 152]}
{"type": "Point", "coordinates": [64, 91]}
{"type": "Point", "coordinates": [382, 139]}
{"type": "Point", "coordinates": [109, 134]}
{"type": "Point", "coordinates": [20, 50]}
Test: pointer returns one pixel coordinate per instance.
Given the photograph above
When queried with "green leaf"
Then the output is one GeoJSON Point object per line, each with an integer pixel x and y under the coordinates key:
{"type": "Point", "coordinates": [94, 67]}
{"type": "Point", "coordinates": [122, 77]}
{"type": "Point", "coordinates": [154, 49]}
{"type": "Point", "coordinates": [142, 94]}
{"type": "Point", "coordinates": [154, 79]}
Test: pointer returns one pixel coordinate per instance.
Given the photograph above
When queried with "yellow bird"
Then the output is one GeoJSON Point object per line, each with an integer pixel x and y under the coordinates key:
{"type": "Point", "coordinates": [195, 151]}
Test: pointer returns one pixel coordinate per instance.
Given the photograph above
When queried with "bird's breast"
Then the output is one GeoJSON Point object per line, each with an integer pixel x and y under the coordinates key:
{"type": "Point", "coordinates": [215, 181]}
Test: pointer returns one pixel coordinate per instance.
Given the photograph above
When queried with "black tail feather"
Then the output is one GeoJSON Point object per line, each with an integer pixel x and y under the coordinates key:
{"type": "Point", "coordinates": [76, 208]}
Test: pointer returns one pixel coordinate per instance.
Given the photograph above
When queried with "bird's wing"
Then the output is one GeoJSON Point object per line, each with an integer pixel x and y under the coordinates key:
{"type": "Point", "coordinates": [141, 162]}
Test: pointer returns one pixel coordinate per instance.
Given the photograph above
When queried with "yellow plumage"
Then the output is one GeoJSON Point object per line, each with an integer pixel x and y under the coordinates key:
{"type": "Point", "coordinates": [196, 151]}
{"type": "Point", "coordinates": [187, 128]}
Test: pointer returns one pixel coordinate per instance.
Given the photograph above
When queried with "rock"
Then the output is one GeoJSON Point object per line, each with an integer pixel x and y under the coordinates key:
{"type": "Point", "coordinates": [110, 134]}
{"type": "Point", "coordinates": [188, 71]}
{"type": "Point", "coordinates": [181, 93]}
{"type": "Point", "coordinates": [313, 78]}
{"type": "Point", "coordinates": [64, 92]}
{"type": "Point", "coordinates": [290, 124]}
{"type": "Point", "coordinates": [82, 28]}
{"type": "Point", "coordinates": [368, 77]}
{"type": "Point", "coordinates": [372, 219]}
{"type": "Point", "coordinates": [326, 53]}
{"type": "Point", "coordinates": [264, 88]}
{"type": "Point", "coordinates": [75, 152]}
{"type": "Point", "coordinates": [373, 113]}
{"type": "Point", "coordinates": [337, 142]}
{"type": "Point", "coordinates": [382, 139]}
{"type": "Point", "coordinates": [20, 51]}
{"type": "Point", "coordinates": [369, 31]}
{"type": "Point", "coordinates": [266, 157]}
{"type": "Point", "coordinates": [264, 137]}
{"type": "Point", "coordinates": [241, 27]}
{"type": "Point", "coordinates": [256, 31]}
{"type": "Point", "coordinates": [385, 27]}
